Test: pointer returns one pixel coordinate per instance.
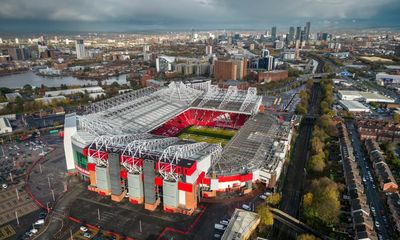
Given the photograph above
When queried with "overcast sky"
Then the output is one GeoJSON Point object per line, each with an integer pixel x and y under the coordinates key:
{"type": "Point", "coordinates": [130, 15]}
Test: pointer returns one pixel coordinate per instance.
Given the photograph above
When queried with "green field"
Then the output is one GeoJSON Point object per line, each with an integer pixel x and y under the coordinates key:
{"type": "Point", "coordinates": [207, 134]}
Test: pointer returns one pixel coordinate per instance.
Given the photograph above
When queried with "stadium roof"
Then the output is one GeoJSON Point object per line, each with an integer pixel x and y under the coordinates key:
{"type": "Point", "coordinates": [254, 146]}
{"type": "Point", "coordinates": [146, 109]}
{"type": "Point", "coordinates": [124, 122]}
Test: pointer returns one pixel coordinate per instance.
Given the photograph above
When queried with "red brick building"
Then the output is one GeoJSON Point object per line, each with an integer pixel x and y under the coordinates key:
{"type": "Point", "coordinates": [270, 76]}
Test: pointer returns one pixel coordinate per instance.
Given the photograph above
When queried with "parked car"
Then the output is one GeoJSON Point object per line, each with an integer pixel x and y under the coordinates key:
{"type": "Point", "coordinates": [246, 207]}
{"type": "Point", "coordinates": [83, 229]}
{"type": "Point", "coordinates": [219, 227]}
{"type": "Point", "coordinates": [377, 224]}
{"type": "Point", "coordinates": [217, 236]}
{"type": "Point", "coordinates": [87, 235]}
{"type": "Point", "coordinates": [262, 196]}
{"type": "Point", "coordinates": [39, 222]}
{"type": "Point", "coordinates": [224, 222]}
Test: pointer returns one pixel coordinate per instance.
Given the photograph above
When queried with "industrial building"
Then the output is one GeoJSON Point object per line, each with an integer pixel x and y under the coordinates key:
{"type": "Point", "coordinates": [354, 106]}
{"type": "Point", "coordinates": [385, 78]}
{"type": "Point", "coordinates": [5, 126]}
{"type": "Point", "coordinates": [364, 96]}
{"type": "Point", "coordinates": [128, 145]}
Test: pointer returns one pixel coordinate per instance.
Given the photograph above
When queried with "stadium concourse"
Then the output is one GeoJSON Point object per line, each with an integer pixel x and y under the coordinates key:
{"type": "Point", "coordinates": [128, 145]}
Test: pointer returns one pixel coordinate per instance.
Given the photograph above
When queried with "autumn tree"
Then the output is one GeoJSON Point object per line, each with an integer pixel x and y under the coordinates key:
{"type": "Point", "coordinates": [323, 204]}
{"type": "Point", "coordinates": [273, 199]}
{"type": "Point", "coordinates": [266, 217]}
{"type": "Point", "coordinates": [317, 162]}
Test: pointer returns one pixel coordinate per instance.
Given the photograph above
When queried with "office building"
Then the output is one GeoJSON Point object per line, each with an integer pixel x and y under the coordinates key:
{"type": "Point", "coordinates": [273, 33]}
{"type": "Point", "coordinates": [15, 54]}
{"type": "Point", "coordinates": [298, 33]}
{"type": "Point", "coordinates": [225, 70]}
{"type": "Point", "coordinates": [279, 44]}
{"type": "Point", "coordinates": [266, 63]}
{"type": "Point", "coordinates": [241, 68]}
{"type": "Point", "coordinates": [397, 51]}
{"type": "Point", "coordinates": [80, 49]}
{"type": "Point", "coordinates": [208, 50]}
{"type": "Point", "coordinates": [291, 35]}
{"type": "Point", "coordinates": [308, 27]}
{"type": "Point", "coordinates": [265, 53]}
{"type": "Point", "coordinates": [163, 63]}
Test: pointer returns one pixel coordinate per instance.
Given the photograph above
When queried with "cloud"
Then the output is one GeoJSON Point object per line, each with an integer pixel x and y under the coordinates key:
{"type": "Point", "coordinates": [193, 12]}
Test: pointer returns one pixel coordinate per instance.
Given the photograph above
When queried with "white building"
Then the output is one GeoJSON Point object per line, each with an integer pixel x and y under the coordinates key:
{"type": "Point", "coordinates": [385, 78]}
{"type": "Point", "coordinates": [91, 90]}
{"type": "Point", "coordinates": [80, 49]}
{"type": "Point", "coordinates": [5, 126]}
{"type": "Point", "coordinates": [354, 106]}
{"type": "Point", "coordinates": [288, 55]}
{"type": "Point", "coordinates": [49, 100]}
{"type": "Point", "coordinates": [364, 96]}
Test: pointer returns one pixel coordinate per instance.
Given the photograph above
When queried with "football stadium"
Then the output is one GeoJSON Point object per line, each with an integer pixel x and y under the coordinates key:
{"type": "Point", "coordinates": [175, 145]}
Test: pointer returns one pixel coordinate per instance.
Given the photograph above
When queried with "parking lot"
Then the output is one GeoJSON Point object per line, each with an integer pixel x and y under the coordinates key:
{"type": "Point", "coordinates": [124, 217]}
{"type": "Point", "coordinates": [15, 202]}
{"type": "Point", "coordinates": [17, 210]}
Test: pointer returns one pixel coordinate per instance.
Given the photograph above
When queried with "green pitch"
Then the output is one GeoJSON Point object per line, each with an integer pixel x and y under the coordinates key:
{"type": "Point", "coordinates": [207, 134]}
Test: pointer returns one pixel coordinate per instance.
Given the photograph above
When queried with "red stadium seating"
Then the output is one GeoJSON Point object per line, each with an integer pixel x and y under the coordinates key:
{"type": "Point", "coordinates": [201, 117]}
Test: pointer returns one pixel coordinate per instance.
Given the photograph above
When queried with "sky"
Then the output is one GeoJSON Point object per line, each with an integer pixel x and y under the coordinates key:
{"type": "Point", "coordinates": [149, 15]}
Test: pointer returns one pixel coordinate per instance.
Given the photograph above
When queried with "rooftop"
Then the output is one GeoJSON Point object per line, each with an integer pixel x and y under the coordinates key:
{"type": "Point", "coordinates": [242, 223]}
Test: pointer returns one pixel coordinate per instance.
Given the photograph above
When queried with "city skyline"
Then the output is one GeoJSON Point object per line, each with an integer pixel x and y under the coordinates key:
{"type": "Point", "coordinates": [122, 15]}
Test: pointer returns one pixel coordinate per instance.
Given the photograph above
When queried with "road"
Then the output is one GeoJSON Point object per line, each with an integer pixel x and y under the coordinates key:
{"type": "Point", "coordinates": [292, 190]}
{"type": "Point", "coordinates": [371, 193]}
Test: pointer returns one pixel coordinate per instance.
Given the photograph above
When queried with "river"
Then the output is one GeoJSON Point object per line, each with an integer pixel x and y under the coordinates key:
{"type": "Point", "coordinates": [20, 80]}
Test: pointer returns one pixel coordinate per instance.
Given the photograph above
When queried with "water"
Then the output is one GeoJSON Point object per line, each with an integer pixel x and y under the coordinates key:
{"type": "Point", "coordinates": [19, 80]}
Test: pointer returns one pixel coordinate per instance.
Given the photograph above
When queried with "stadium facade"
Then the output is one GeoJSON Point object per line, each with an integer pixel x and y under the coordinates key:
{"type": "Point", "coordinates": [127, 146]}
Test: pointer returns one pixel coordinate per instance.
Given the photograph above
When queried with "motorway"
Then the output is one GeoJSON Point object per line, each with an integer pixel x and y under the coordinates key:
{"type": "Point", "coordinates": [292, 190]}
{"type": "Point", "coordinates": [370, 191]}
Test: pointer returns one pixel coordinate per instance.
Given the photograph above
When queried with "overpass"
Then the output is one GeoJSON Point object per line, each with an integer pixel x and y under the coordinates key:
{"type": "Point", "coordinates": [295, 224]}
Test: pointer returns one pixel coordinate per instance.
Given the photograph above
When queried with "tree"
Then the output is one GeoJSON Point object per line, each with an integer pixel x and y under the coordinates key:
{"type": "Point", "coordinates": [27, 89]}
{"type": "Point", "coordinates": [301, 109]}
{"type": "Point", "coordinates": [324, 205]}
{"type": "Point", "coordinates": [19, 105]}
{"type": "Point", "coordinates": [325, 122]}
{"type": "Point", "coordinates": [317, 146]}
{"type": "Point", "coordinates": [306, 236]}
{"type": "Point", "coordinates": [327, 68]}
{"type": "Point", "coordinates": [273, 199]}
{"type": "Point", "coordinates": [317, 162]}
{"type": "Point", "coordinates": [266, 217]}
{"type": "Point", "coordinates": [325, 108]}
{"type": "Point", "coordinates": [396, 117]}
{"type": "Point", "coordinates": [320, 133]}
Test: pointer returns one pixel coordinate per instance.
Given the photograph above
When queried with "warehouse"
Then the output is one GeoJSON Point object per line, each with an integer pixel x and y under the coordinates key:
{"type": "Point", "coordinates": [364, 96]}
{"type": "Point", "coordinates": [354, 106]}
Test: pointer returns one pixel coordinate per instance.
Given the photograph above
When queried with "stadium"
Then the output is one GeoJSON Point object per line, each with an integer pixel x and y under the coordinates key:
{"type": "Point", "coordinates": [175, 145]}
